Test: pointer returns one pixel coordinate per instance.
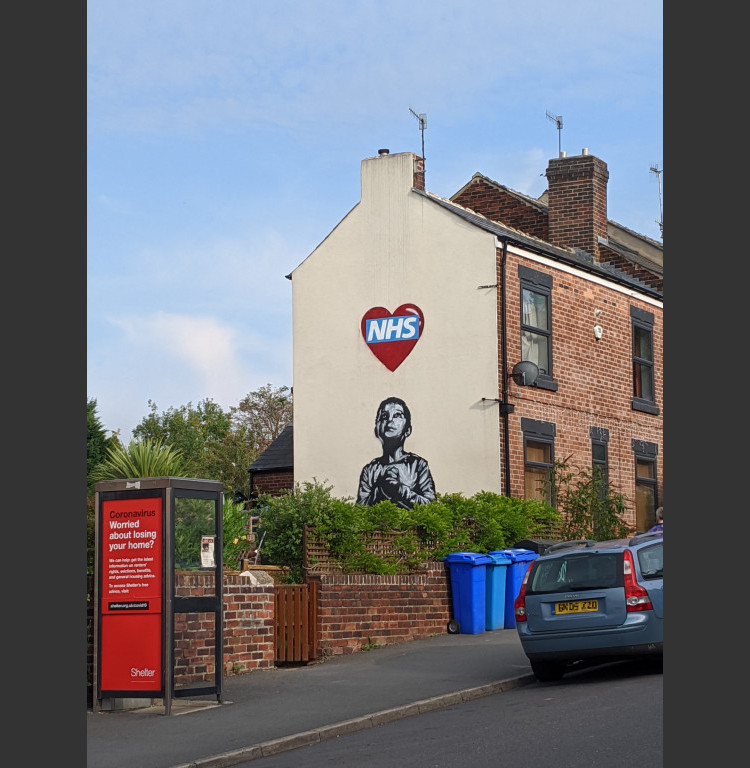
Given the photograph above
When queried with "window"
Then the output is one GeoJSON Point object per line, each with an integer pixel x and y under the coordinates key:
{"type": "Point", "coordinates": [538, 457]}
{"type": "Point", "coordinates": [599, 457]}
{"type": "Point", "coordinates": [646, 500]}
{"type": "Point", "coordinates": [643, 361]}
{"type": "Point", "coordinates": [536, 323]}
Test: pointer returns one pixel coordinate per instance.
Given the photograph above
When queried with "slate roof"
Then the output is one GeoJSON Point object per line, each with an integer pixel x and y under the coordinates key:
{"type": "Point", "coordinates": [278, 456]}
{"type": "Point", "coordinates": [572, 257]}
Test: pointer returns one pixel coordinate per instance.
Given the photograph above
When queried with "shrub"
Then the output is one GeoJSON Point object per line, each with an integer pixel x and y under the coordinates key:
{"type": "Point", "coordinates": [590, 506]}
{"type": "Point", "coordinates": [451, 523]}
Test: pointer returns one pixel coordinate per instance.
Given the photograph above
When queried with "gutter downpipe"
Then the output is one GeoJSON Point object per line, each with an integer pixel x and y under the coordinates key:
{"type": "Point", "coordinates": [505, 408]}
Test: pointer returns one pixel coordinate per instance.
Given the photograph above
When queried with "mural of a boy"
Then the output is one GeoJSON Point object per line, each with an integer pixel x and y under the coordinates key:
{"type": "Point", "coordinates": [397, 475]}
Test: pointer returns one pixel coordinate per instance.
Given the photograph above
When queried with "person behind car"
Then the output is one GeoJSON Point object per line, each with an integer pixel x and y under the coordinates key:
{"type": "Point", "coordinates": [659, 522]}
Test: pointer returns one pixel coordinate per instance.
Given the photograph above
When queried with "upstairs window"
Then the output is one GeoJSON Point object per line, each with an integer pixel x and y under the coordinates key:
{"type": "Point", "coordinates": [643, 361]}
{"type": "Point", "coordinates": [536, 323]}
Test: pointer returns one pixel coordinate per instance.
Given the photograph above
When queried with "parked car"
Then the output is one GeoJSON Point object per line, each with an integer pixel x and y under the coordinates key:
{"type": "Point", "coordinates": [588, 599]}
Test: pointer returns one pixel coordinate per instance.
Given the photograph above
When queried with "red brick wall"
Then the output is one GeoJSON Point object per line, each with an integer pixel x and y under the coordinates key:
{"type": "Point", "coordinates": [497, 204]}
{"type": "Point", "coordinates": [354, 610]}
{"type": "Point", "coordinates": [595, 385]}
{"type": "Point", "coordinates": [577, 202]}
{"type": "Point", "coordinates": [358, 609]}
{"type": "Point", "coordinates": [248, 628]}
{"type": "Point", "coordinates": [272, 482]}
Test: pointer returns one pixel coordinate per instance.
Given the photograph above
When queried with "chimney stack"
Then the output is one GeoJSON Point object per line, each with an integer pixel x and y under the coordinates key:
{"type": "Point", "coordinates": [577, 202]}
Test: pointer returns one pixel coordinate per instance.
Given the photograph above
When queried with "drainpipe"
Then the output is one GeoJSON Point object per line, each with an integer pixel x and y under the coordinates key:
{"type": "Point", "coordinates": [505, 407]}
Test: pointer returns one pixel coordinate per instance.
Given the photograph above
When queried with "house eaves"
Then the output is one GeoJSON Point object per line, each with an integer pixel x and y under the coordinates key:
{"type": "Point", "coordinates": [574, 258]}
{"type": "Point", "coordinates": [278, 456]}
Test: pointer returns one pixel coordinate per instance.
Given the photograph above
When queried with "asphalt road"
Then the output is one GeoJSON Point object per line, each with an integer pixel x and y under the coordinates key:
{"type": "Point", "coordinates": [606, 716]}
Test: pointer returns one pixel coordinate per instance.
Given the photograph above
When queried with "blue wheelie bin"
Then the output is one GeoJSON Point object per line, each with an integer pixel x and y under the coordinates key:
{"type": "Point", "coordinates": [495, 590]}
{"type": "Point", "coordinates": [468, 586]}
{"type": "Point", "coordinates": [519, 562]}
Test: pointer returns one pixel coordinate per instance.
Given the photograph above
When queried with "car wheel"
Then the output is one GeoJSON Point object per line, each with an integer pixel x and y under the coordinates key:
{"type": "Point", "coordinates": [453, 628]}
{"type": "Point", "coordinates": [548, 671]}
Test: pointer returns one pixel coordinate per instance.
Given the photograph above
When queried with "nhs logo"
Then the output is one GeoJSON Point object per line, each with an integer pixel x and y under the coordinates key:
{"type": "Point", "coordinates": [391, 336]}
{"type": "Point", "coordinates": [378, 330]}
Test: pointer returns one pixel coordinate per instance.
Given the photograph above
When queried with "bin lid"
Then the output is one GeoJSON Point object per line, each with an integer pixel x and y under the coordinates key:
{"type": "Point", "coordinates": [516, 554]}
{"type": "Point", "coordinates": [475, 558]}
{"type": "Point", "coordinates": [499, 558]}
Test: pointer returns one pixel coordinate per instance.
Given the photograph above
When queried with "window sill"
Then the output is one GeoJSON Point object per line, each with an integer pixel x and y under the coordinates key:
{"type": "Point", "coordinates": [645, 406]}
{"type": "Point", "coordinates": [546, 382]}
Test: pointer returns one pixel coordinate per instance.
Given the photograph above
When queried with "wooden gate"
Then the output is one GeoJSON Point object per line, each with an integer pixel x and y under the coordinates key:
{"type": "Point", "coordinates": [296, 620]}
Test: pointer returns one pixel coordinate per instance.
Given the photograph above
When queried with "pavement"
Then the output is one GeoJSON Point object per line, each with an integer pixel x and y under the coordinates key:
{"type": "Point", "coordinates": [266, 712]}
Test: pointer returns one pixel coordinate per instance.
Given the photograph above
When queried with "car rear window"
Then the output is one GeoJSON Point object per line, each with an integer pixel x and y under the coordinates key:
{"type": "Point", "coordinates": [589, 570]}
{"type": "Point", "coordinates": [651, 561]}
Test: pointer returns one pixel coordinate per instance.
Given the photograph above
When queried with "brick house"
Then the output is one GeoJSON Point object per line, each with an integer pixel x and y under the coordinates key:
{"type": "Point", "coordinates": [273, 470]}
{"type": "Point", "coordinates": [518, 331]}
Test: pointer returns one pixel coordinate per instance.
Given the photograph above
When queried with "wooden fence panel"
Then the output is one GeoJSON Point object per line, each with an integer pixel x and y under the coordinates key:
{"type": "Point", "coordinates": [296, 621]}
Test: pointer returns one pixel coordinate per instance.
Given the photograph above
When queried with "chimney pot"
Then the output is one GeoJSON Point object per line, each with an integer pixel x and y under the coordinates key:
{"type": "Point", "coordinates": [383, 152]}
{"type": "Point", "coordinates": [563, 154]}
{"type": "Point", "coordinates": [585, 151]}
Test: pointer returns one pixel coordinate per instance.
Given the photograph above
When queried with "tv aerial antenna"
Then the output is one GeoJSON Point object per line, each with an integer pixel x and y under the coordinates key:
{"type": "Point", "coordinates": [422, 118]}
{"type": "Point", "coordinates": [557, 120]}
{"type": "Point", "coordinates": [658, 172]}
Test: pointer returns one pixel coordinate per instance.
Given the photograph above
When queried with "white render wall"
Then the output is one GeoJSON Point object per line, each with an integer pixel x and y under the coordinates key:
{"type": "Point", "coordinates": [397, 247]}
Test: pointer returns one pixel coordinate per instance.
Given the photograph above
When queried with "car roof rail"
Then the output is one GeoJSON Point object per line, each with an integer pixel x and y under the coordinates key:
{"type": "Point", "coordinates": [639, 537]}
{"type": "Point", "coordinates": [568, 544]}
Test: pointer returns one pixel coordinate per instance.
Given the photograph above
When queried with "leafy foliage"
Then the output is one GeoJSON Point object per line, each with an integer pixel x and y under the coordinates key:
{"type": "Point", "coordinates": [221, 445]}
{"type": "Point", "coordinates": [263, 414]}
{"type": "Point", "coordinates": [235, 522]}
{"type": "Point", "coordinates": [144, 458]}
{"type": "Point", "coordinates": [452, 523]}
{"type": "Point", "coordinates": [97, 444]}
{"type": "Point", "coordinates": [590, 507]}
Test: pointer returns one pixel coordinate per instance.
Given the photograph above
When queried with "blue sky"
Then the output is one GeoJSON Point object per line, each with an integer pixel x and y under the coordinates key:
{"type": "Point", "coordinates": [225, 139]}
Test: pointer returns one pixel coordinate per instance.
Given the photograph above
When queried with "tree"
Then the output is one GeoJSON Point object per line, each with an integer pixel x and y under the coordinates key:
{"type": "Point", "coordinates": [97, 445]}
{"type": "Point", "coordinates": [590, 507]}
{"type": "Point", "coordinates": [191, 430]}
{"type": "Point", "coordinates": [97, 441]}
{"type": "Point", "coordinates": [264, 413]}
{"type": "Point", "coordinates": [214, 447]}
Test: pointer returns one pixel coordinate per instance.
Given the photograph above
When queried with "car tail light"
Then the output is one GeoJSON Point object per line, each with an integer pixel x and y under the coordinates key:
{"type": "Point", "coordinates": [636, 597]}
{"type": "Point", "coordinates": [519, 606]}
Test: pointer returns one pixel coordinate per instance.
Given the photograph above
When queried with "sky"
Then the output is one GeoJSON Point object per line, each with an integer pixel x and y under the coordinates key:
{"type": "Point", "coordinates": [225, 138]}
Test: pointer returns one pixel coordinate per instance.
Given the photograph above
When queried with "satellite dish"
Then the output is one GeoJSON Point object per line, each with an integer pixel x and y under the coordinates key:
{"type": "Point", "coordinates": [525, 373]}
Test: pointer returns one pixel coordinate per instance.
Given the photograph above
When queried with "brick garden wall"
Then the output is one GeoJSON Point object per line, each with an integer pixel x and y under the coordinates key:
{"type": "Point", "coordinates": [248, 628]}
{"type": "Point", "coordinates": [355, 610]}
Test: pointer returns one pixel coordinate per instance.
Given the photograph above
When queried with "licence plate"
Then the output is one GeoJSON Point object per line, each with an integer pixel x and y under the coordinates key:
{"type": "Point", "coordinates": [576, 606]}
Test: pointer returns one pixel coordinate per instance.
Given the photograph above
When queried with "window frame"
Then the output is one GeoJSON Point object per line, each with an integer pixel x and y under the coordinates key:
{"type": "Point", "coordinates": [544, 433]}
{"type": "Point", "coordinates": [642, 321]}
{"type": "Point", "coordinates": [600, 438]}
{"type": "Point", "coordinates": [541, 284]}
{"type": "Point", "coordinates": [646, 454]}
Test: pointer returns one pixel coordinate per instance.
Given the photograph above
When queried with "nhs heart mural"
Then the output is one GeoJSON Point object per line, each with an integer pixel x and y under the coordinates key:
{"type": "Point", "coordinates": [391, 336]}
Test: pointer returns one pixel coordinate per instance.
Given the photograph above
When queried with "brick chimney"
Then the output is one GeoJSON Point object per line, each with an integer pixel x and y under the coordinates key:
{"type": "Point", "coordinates": [577, 202]}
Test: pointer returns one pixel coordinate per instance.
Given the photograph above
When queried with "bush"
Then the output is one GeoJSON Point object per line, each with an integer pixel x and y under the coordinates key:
{"type": "Point", "coordinates": [451, 523]}
{"type": "Point", "coordinates": [590, 507]}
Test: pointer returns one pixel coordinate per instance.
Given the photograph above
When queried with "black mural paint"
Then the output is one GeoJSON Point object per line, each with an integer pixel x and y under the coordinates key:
{"type": "Point", "coordinates": [398, 476]}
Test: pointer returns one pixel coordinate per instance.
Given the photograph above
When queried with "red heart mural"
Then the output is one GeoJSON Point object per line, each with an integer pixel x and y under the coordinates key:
{"type": "Point", "coordinates": [391, 336]}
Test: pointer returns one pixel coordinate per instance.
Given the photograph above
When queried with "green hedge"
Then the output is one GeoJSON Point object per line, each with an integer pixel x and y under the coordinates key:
{"type": "Point", "coordinates": [452, 523]}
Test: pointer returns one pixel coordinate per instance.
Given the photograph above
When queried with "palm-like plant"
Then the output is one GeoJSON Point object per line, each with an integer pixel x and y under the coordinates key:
{"type": "Point", "coordinates": [144, 458]}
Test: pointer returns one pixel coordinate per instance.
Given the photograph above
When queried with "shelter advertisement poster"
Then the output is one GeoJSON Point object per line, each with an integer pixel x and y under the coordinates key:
{"type": "Point", "coordinates": [131, 601]}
